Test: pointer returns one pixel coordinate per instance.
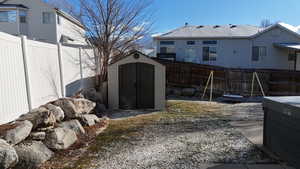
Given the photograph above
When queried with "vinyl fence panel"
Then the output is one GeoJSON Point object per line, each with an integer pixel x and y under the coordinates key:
{"type": "Point", "coordinates": [13, 96]}
{"type": "Point", "coordinates": [33, 73]}
{"type": "Point", "coordinates": [71, 69]}
{"type": "Point", "coordinates": [43, 70]}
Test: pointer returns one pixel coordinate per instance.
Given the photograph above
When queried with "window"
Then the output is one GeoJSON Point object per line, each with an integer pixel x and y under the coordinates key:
{"type": "Point", "coordinates": [292, 55]}
{"type": "Point", "coordinates": [8, 16]}
{"type": "Point", "coordinates": [163, 50]}
{"type": "Point", "coordinates": [190, 42]}
{"type": "Point", "coordinates": [167, 50]}
{"type": "Point", "coordinates": [23, 15]}
{"type": "Point", "coordinates": [210, 42]}
{"type": "Point", "coordinates": [209, 54]}
{"type": "Point", "coordinates": [191, 55]}
{"type": "Point", "coordinates": [167, 42]}
{"type": "Point", "coordinates": [48, 17]}
{"type": "Point", "coordinates": [258, 52]}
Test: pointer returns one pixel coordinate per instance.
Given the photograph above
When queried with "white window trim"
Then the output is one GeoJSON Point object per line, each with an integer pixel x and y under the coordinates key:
{"type": "Point", "coordinates": [210, 46]}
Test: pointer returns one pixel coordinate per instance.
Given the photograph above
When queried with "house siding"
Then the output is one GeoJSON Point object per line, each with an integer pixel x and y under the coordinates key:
{"type": "Point", "coordinates": [237, 53]}
{"type": "Point", "coordinates": [11, 28]}
{"type": "Point", "coordinates": [276, 58]}
{"type": "Point", "coordinates": [36, 29]}
{"type": "Point", "coordinates": [67, 28]}
{"type": "Point", "coordinates": [43, 32]}
{"type": "Point", "coordinates": [225, 51]}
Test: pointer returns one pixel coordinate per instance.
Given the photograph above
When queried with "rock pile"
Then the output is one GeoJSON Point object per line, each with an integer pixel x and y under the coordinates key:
{"type": "Point", "coordinates": [187, 92]}
{"type": "Point", "coordinates": [33, 138]}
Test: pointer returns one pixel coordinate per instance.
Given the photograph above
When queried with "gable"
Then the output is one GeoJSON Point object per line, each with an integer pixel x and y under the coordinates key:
{"type": "Point", "coordinates": [131, 59]}
{"type": "Point", "coordinates": [278, 32]}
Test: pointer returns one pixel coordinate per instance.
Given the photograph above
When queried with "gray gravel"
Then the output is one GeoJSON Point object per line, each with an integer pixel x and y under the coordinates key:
{"type": "Point", "coordinates": [184, 143]}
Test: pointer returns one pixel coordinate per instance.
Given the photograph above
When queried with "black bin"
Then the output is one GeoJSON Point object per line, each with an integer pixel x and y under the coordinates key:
{"type": "Point", "coordinates": [282, 128]}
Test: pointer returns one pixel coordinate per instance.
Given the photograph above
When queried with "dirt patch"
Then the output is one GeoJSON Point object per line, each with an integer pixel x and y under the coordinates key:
{"type": "Point", "coordinates": [186, 135]}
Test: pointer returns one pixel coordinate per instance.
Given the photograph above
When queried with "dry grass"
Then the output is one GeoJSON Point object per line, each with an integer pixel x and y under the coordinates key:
{"type": "Point", "coordinates": [128, 128]}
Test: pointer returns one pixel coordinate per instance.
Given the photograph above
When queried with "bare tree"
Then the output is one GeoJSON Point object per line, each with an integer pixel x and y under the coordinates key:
{"type": "Point", "coordinates": [114, 27]}
{"type": "Point", "coordinates": [265, 23]}
{"type": "Point", "coordinates": [65, 5]}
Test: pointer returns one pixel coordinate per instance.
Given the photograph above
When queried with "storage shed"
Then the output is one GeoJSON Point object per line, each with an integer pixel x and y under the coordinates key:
{"type": "Point", "coordinates": [136, 82]}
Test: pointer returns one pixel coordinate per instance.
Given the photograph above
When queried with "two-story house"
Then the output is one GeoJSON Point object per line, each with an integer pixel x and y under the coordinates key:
{"type": "Point", "coordinates": [233, 46]}
{"type": "Point", "coordinates": [40, 21]}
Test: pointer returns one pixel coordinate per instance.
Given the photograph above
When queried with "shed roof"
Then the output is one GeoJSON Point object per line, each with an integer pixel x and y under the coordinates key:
{"type": "Point", "coordinates": [129, 54]}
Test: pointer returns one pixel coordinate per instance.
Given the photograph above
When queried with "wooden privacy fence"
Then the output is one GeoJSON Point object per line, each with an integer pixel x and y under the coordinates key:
{"type": "Point", "coordinates": [233, 81]}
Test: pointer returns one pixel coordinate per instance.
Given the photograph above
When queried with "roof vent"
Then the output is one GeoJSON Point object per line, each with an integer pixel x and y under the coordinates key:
{"type": "Point", "coordinates": [200, 26]}
{"type": "Point", "coordinates": [233, 26]}
{"type": "Point", "coordinates": [216, 26]}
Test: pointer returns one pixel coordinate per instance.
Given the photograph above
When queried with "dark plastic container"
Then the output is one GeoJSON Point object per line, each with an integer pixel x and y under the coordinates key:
{"type": "Point", "coordinates": [282, 128]}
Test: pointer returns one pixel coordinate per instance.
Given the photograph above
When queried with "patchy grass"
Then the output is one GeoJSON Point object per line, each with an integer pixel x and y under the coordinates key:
{"type": "Point", "coordinates": [123, 130]}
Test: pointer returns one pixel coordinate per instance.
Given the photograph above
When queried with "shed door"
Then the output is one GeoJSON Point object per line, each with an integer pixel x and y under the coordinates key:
{"type": "Point", "coordinates": [136, 86]}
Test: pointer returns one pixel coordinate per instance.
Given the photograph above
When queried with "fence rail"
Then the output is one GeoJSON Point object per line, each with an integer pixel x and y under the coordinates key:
{"type": "Point", "coordinates": [233, 81]}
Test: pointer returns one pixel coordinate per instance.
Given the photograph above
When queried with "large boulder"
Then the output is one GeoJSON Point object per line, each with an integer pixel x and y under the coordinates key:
{"type": "Point", "coordinates": [8, 155]}
{"type": "Point", "coordinates": [32, 154]}
{"type": "Point", "coordinates": [73, 125]}
{"type": "Point", "coordinates": [100, 109]}
{"type": "Point", "coordinates": [57, 112]}
{"type": "Point", "coordinates": [188, 92]}
{"type": "Point", "coordinates": [60, 138]}
{"type": "Point", "coordinates": [88, 119]}
{"type": "Point", "coordinates": [84, 106]}
{"type": "Point", "coordinates": [68, 107]}
{"type": "Point", "coordinates": [93, 95]}
{"type": "Point", "coordinates": [38, 136]}
{"type": "Point", "coordinates": [39, 117]}
{"type": "Point", "coordinates": [177, 91]}
{"type": "Point", "coordinates": [18, 133]}
{"type": "Point", "coordinates": [74, 107]}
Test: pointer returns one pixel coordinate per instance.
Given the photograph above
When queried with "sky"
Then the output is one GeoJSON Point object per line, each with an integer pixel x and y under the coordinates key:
{"type": "Point", "coordinates": [171, 14]}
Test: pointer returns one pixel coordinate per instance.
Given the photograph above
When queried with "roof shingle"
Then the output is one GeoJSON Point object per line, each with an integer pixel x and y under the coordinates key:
{"type": "Point", "coordinates": [212, 31]}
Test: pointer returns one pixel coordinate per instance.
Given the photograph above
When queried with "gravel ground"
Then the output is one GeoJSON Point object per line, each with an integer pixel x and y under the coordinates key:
{"type": "Point", "coordinates": [186, 144]}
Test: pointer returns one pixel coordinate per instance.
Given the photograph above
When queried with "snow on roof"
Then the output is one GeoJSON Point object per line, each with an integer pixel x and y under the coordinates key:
{"type": "Point", "coordinates": [223, 31]}
{"type": "Point", "coordinates": [212, 31]}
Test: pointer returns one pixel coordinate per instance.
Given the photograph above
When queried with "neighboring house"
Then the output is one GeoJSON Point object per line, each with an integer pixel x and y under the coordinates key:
{"type": "Point", "coordinates": [233, 46]}
{"type": "Point", "coordinates": [40, 21]}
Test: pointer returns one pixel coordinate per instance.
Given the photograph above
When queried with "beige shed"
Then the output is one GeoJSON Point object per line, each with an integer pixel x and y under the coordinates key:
{"type": "Point", "coordinates": [136, 82]}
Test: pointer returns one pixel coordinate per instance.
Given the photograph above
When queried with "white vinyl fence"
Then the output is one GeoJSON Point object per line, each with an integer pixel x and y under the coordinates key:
{"type": "Point", "coordinates": [33, 73]}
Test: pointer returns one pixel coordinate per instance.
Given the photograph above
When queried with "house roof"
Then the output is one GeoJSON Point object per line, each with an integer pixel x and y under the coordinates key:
{"type": "Point", "coordinates": [212, 31]}
{"type": "Point", "coordinates": [224, 31]}
{"type": "Point", "coordinates": [69, 17]}
{"type": "Point", "coordinates": [13, 6]}
{"type": "Point", "coordinates": [294, 46]}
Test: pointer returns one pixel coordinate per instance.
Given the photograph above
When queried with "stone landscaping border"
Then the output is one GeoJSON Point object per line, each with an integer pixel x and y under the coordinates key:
{"type": "Point", "coordinates": [36, 136]}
